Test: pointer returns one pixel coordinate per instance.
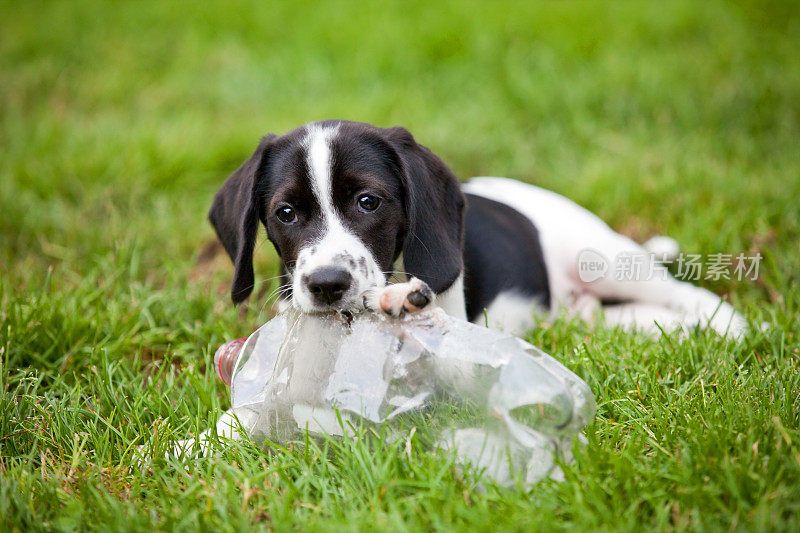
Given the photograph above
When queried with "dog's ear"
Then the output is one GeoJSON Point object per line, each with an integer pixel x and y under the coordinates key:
{"type": "Point", "coordinates": [235, 215]}
{"type": "Point", "coordinates": [432, 250]}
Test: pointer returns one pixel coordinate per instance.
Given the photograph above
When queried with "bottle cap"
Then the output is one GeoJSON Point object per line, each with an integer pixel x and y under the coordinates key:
{"type": "Point", "coordinates": [225, 358]}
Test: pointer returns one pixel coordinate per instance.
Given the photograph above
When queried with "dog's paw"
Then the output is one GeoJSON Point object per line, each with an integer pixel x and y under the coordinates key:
{"type": "Point", "coordinates": [398, 298]}
{"type": "Point", "coordinates": [583, 306]}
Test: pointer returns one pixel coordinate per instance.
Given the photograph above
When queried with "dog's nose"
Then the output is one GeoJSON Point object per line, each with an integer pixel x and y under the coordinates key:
{"type": "Point", "coordinates": [328, 284]}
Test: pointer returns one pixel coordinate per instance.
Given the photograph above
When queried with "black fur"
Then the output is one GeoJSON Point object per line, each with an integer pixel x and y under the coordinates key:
{"type": "Point", "coordinates": [502, 253]}
{"type": "Point", "coordinates": [235, 213]}
{"type": "Point", "coordinates": [435, 214]}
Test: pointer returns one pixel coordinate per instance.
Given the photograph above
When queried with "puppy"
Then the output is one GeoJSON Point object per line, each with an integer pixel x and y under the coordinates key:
{"type": "Point", "coordinates": [366, 217]}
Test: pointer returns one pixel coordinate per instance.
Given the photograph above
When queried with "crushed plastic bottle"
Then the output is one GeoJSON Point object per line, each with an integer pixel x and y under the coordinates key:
{"type": "Point", "coordinates": [503, 405]}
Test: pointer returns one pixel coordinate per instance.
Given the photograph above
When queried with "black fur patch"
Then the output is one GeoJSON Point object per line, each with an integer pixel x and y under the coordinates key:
{"type": "Point", "coordinates": [502, 253]}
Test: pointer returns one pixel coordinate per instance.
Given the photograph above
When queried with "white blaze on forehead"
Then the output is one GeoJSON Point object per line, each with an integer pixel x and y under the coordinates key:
{"type": "Point", "coordinates": [336, 246]}
{"type": "Point", "coordinates": [319, 158]}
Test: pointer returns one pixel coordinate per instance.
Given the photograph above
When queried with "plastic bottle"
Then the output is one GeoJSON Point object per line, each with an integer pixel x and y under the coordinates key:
{"type": "Point", "coordinates": [502, 404]}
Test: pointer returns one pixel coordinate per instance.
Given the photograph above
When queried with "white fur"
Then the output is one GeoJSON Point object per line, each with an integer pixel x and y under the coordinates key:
{"type": "Point", "coordinates": [662, 247]}
{"type": "Point", "coordinates": [510, 312]}
{"type": "Point", "coordinates": [567, 229]}
{"type": "Point", "coordinates": [452, 299]}
{"type": "Point", "coordinates": [336, 245]}
{"type": "Point", "coordinates": [318, 146]}
{"type": "Point", "coordinates": [391, 298]}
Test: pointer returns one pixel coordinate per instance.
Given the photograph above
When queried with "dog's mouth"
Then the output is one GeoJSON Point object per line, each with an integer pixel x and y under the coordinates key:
{"type": "Point", "coordinates": [350, 303]}
{"type": "Point", "coordinates": [321, 285]}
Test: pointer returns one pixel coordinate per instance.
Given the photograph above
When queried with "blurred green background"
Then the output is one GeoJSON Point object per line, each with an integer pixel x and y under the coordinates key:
{"type": "Point", "coordinates": [119, 120]}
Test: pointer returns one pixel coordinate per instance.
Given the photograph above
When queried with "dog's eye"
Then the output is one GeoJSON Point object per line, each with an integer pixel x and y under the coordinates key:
{"type": "Point", "coordinates": [286, 214]}
{"type": "Point", "coordinates": [368, 202]}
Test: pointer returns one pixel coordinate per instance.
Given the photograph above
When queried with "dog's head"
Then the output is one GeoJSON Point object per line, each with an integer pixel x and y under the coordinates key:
{"type": "Point", "coordinates": [341, 201]}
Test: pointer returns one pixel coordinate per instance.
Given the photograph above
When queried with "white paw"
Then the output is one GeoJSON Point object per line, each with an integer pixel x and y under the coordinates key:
{"type": "Point", "coordinates": [664, 249]}
{"type": "Point", "coordinates": [728, 323]}
{"type": "Point", "coordinates": [398, 298]}
{"type": "Point", "coordinates": [584, 306]}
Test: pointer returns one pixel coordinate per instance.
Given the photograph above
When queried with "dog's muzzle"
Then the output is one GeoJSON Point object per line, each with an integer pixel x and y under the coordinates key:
{"type": "Point", "coordinates": [327, 285]}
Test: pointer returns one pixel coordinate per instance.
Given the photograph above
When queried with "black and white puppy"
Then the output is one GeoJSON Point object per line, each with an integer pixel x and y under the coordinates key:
{"type": "Point", "coordinates": [363, 216]}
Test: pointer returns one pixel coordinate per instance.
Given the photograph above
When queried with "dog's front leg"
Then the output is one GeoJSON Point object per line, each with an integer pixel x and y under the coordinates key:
{"type": "Point", "coordinates": [395, 299]}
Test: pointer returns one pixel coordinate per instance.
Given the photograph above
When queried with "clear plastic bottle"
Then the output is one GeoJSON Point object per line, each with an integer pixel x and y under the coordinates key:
{"type": "Point", "coordinates": [502, 404]}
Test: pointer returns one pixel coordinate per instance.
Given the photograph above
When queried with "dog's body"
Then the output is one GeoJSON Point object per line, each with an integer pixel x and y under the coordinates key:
{"type": "Point", "coordinates": [366, 217]}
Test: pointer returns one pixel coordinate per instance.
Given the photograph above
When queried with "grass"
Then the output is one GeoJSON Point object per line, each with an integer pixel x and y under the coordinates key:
{"type": "Point", "coordinates": [118, 121]}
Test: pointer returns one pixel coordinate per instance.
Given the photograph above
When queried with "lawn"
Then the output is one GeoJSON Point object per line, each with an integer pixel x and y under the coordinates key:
{"type": "Point", "coordinates": [118, 122]}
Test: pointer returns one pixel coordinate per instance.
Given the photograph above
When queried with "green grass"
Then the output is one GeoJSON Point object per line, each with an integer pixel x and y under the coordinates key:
{"type": "Point", "coordinates": [118, 121]}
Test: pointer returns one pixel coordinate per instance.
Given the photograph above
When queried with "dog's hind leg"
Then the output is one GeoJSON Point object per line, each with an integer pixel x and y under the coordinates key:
{"type": "Point", "coordinates": [647, 318]}
{"type": "Point", "coordinates": [650, 283]}
{"type": "Point", "coordinates": [569, 233]}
